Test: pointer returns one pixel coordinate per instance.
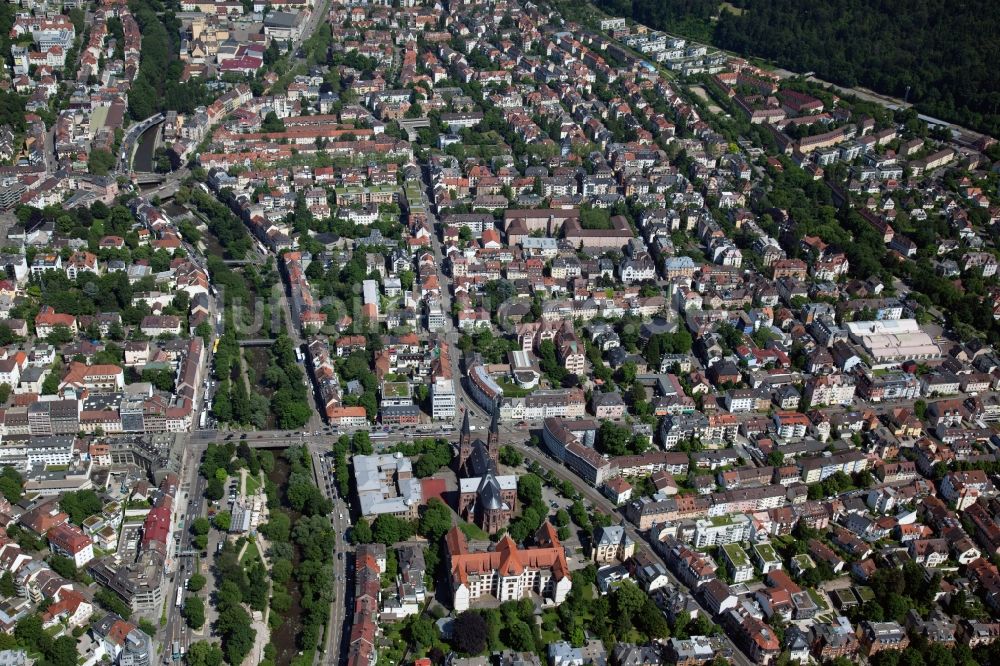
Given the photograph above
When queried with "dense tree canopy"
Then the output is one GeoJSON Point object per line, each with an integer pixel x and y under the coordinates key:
{"type": "Point", "coordinates": [80, 504]}
{"type": "Point", "coordinates": [934, 52]}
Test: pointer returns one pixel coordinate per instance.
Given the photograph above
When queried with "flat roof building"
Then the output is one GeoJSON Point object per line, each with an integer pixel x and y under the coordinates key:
{"type": "Point", "coordinates": [386, 485]}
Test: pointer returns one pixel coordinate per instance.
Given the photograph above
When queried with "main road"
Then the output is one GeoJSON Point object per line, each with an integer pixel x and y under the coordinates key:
{"type": "Point", "coordinates": [191, 504]}
{"type": "Point", "coordinates": [337, 626]}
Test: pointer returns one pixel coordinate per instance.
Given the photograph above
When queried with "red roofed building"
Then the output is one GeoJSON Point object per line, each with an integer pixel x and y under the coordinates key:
{"type": "Point", "coordinates": [347, 416]}
{"type": "Point", "coordinates": [508, 572]}
{"type": "Point", "coordinates": [156, 527]}
{"type": "Point", "coordinates": [48, 319]}
{"type": "Point", "coordinates": [104, 378]}
{"type": "Point", "coordinates": [70, 607]}
{"type": "Point", "coordinates": [43, 518]}
{"type": "Point", "coordinates": [70, 541]}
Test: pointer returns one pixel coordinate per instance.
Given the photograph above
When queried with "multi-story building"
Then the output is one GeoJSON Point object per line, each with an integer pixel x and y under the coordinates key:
{"type": "Point", "coordinates": [610, 544]}
{"type": "Point", "coordinates": [737, 562]}
{"type": "Point", "coordinates": [819, 468]}
{"type": "Point", "coordinates": [54, 417]}
{"type": "Point", "coordinates": [721, 530]}
{"type": "Point", "coordinates": [50, 450]}
{"type": "Point", "coordinates": [507, 573]}
{"type": "Point", "coordinates": [443, 399]}
{"type": "Point", "coordinates": [588, 464]}
{"type": "Point", "coordinates": [878, 636]}
{"type": "Point", "coordinates": [386, 484]}
{"type": "Point", "coordinates": [70, 541]}
{"type": "Point", "coordinates": [830, 390]}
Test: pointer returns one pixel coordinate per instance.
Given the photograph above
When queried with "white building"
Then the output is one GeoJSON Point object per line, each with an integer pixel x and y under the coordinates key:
{"type": "Point", "coordinates": [508, 573]}
{"type": "Point", "coordinates": [70, 541]}
{"type": "Point", "coordinates": [721, 530]}
{"type": "Point", "coordinates": [443, 399]}
{"type": "Point", "coordinates": [386, 485]}
{"type": "Point", "coordinates": [52, 450]}
{"type": "Point", "coordinates": [830, 390]}
{"type": "Point", "coordinates": [890, 342]}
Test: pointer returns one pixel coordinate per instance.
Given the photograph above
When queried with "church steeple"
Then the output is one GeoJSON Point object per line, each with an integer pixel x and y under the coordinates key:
{"type": "Point", "coordinates": [464, 443]}
{"type": "Point", "coordinates": [465, 436]}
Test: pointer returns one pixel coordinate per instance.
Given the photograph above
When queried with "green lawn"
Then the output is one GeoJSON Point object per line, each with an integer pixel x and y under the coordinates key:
{"type": "Point", "coordinates": [804, 561]}
{"type": "Point", "coordinates": [473, 532]}
{"type": "Point", "coordinates": [252, 484]}
{"type": "Point", "coordinates": [736, 554]}
{"type": "Point", "coordinates": [304, 659]}
{"type": "Point", "coordinates": [818, 598]}
{"type": "Point", "coordinates": [251, 554]}
{"type": "Point", "coordinates": [512, 390]}
{"type": "Point", "coordinates": [555, 635]}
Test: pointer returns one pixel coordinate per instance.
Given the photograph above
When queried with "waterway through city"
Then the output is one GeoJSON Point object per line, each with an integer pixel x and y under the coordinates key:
{"type": "Point", "coordinates": [285, 637]}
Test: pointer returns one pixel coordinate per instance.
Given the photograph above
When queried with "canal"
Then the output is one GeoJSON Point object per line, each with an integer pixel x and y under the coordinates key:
{"type": "Point", "coordinates": [143, 160]}
{"type": "Point", "coordinates": [284, 637]}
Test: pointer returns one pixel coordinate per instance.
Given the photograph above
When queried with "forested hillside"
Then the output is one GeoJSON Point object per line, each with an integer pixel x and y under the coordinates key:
{"type": "Point", "coordinates": [944, 50]}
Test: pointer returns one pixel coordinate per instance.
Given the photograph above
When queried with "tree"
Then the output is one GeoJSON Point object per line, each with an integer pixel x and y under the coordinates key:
{"type": "Point", "coordinates": [80, 505]}
{"type": "Point", "coordinates": [7, 586]}
{"type": "Point", "coordinates": [651, 621]}
{"type": "Point", "coordinates": [550, 363]}
{"type": "Point", "coordinates": [281, 570]}
{"type": "Point", "coordinates": [215, 489]}
{"type": "Point", "coordinates": [64, 566]}
{"type": "Point", "coordinates": [222, 521]}
{"type": "Point", "coordinates": [11, 484]}
{"type": "Point", "coordinates": [613, 439]}
{"type": "Point", "coordinates": [388, 529]}
{"type": "Point", "coordinates": [510, 456]}
{"type": "Point", "coordinates": [194, 611]}
{"type": "Point", "coordinates": [28, 631]}
{"type": "Point", "coordinates": [200, 525]}
{"type": "Point", "coordinates": [100, 162]}
{"type": "Point", "coordinates": [203, 653]}
{"type": "Point", "coordinates": [110, 601]}
{"type": "Point", "coordinates": [561, 519]}
{"type": "Point", "coordinates": [578, 513]}
{"type": "Point", "coordinates": [422, 632]}
{"type": "Point", "coordinates": [62, 652]}
{"type": "Point", "coordinates": [628, 600]}
{"type": "Point", "coordinates": [361, 532]}
{"type": "Point", "coordinates": [196, 582]}
{"type": "Point", "coordinates": [436, 521]}
{"type": "Point", "coordinates": [272, 123]}
{"type": "Point", "coordinates": [237, 633]}
{"type": "Point", "coordinates": [518, 637]}
{"type": "Point", "coordinates": [529, 490]}
{"type": "Point", "coordinates": [50, 386]}
{"type": "Point", "coordinates": [470, 633]}
{"type": "Point", "coordinates": [278, 527]}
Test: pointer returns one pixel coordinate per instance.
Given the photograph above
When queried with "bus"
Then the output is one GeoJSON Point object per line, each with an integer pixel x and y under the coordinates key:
{"type": "Point", "coordinates": [215, 346]}
{"type": "Point", "coordinates": [180, 596]}
{"type": "Point", "coordinates": [177, 651]}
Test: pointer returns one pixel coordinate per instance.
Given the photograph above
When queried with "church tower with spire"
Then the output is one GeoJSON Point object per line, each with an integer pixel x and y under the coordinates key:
{"type": "Point", "coordinates": [485, 497]}
{"type": "Point", "coordinates": [464, 442]}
